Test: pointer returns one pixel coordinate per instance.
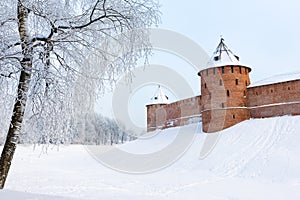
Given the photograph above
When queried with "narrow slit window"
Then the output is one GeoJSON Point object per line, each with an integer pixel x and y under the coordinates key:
{"type": "Point", "coordinates": [221, 82]}
{"type": "Point", "coordinates": [223, 70]}
{"type": "Point", "coordinates": [228, 93]}
{"type": "Point", "coordinates": [232, 69]}
{"type": "Point", "coordinates": [204, 85]}
{"type": "Point", "coordinates": [222, 105]}
{"type": "Point", "coordinates": [236, 81]}
{"type": "Point", "coordinates": [240, 68]}
{"type": "Point", "coordinates": [233, 116]}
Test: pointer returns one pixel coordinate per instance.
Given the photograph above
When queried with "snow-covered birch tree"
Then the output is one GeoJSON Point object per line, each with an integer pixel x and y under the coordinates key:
{"type": "Point", "coordinates": [48, 53]}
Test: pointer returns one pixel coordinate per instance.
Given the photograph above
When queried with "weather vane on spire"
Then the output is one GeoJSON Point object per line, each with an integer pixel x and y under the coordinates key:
{"type": "Point", "coordinates": [222, 39]}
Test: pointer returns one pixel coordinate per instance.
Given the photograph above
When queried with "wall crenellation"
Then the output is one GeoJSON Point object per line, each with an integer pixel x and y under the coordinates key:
{"type": "Point", "coordinates": [227, 98]}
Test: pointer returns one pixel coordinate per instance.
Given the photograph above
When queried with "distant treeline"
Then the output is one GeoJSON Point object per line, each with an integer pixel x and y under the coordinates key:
{"type": "Point", "coordinates": [91, 129]}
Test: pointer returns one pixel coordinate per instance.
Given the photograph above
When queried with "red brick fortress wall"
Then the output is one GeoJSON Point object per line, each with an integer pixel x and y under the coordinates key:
{"type": "Point", "coordinates": [154, 116]}
{"type": "Point", "coordinates": [183, 112]}
{"type": "Point", "coordinates": [223, 91]}
{"type": "Point", "coordinates": [174, 114]}
{"type": "Point", "coordinates": [273, 100]}
{"type": "Point", "coordinates": [226, 101]}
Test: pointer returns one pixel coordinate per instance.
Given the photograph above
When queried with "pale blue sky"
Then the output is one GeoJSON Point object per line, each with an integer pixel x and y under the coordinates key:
{"type": "Point", "coordinates": [265, 34]}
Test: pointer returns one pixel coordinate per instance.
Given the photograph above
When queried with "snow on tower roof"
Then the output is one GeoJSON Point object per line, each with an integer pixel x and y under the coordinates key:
{"type": "Point", "coordinates": [223, 56]}
{"type": "Point", "coordinates": [159, 97]}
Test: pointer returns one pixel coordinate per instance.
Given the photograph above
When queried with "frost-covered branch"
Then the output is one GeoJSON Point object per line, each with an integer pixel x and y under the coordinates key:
{"type": "Point", "coordinates": [57, 56]}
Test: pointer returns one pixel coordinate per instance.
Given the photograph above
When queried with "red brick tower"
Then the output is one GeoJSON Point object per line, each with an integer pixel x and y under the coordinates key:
{"type": "Point", "coordinates": [224, 90]}
{"type": "Point", "coordinates": [156, 114]}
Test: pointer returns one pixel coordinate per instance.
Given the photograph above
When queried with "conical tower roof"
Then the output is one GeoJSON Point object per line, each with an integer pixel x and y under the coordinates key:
{"type": "Point", "coordinates": [159, 97]}
{"type": "Point", "coordinates": [223, 56]}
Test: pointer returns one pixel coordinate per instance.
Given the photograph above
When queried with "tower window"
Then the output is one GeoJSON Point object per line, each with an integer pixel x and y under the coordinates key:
{"type": "Point", "coordinates": [289, 88]}
{"type": "Point", "coordinates": [232, 69]}
{"type": "Point", "coordinates": [233, 116]}
{"type": "Point", "coordinates": [240, 68]}
{"type": "Point", "coordinates": [223, 70]}
{"type": "Point", "coordinates": [244, 92]}
{"type": "Point", "coordinates": [222, 105]}
{"type": "Point", "coordinates": [221, 82]}
{"type": "Point", "coordinates": [228, 93]}
{"type": "Point", "coordinates": [236, 81]}
{"type": "Point", "coordinates": [271, 91]}
{"type": "Point", "coordinates": [204, 85]}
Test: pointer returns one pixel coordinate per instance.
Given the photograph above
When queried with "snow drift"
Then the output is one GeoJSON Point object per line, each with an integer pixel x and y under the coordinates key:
{"type": "Point", "coordinates": [256, 159]}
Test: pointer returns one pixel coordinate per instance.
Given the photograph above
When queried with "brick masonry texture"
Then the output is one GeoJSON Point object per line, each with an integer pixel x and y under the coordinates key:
{"type": "Point", "coordinates": [274, 100]}
{"type": "Point", "coordinates": [224, 99]}
{"type": "Point", "coordinates": [227, 100]}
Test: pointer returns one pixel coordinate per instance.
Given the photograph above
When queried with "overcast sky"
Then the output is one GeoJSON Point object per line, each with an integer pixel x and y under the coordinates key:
{"type": "Point", "coordinates": [263, 33]}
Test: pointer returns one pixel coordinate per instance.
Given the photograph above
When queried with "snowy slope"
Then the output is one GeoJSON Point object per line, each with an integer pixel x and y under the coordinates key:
{"type": "Point", "coordinates": [256, 159]}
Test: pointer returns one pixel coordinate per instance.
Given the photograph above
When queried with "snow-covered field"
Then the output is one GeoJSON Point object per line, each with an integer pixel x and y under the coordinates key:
{"type": "Point", "coordinates": [256, 159]}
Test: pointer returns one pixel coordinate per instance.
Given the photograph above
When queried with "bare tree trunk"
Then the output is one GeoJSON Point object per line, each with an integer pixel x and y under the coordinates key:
{"type": "Point", "coordinates": [20, 102]}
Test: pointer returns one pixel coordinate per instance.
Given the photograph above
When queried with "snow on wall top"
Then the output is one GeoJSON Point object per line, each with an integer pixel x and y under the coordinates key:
{"type": "Point", "coordinates": [159, 97]}
{"type": "Point", "coordinates": [278, 79]}
{"type": "Point", "coordinates": [223, 56]}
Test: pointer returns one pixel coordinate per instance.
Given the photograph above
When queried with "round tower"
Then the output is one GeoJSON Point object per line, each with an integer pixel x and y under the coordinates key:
{"type": "Point", "coordinates": [224, 90]}
{"type": "Point", "coordinates": [156, 115]}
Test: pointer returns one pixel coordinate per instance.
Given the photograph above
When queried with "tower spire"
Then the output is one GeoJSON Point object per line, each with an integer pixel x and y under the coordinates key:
{"type": "Point", "coordinates": [223, 56]}
{"type": "Point", "coordinates": [222, 39]}
{"type": "Point", "coordinates": [160, 97]}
